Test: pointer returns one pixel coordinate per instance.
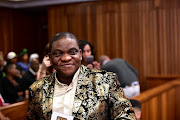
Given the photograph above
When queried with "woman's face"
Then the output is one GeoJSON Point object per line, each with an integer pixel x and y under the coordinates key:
{"type": "Point", "coordinates": [86, 51]}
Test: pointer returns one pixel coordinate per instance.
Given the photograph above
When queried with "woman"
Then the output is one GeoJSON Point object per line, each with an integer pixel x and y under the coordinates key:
{"type": "Point", "coordinates": [88, 52]}
{"type": "Point", "coordinates": [46, 67]}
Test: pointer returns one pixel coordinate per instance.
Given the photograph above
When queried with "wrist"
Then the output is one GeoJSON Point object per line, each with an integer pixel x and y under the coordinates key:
{"type": "Point", "coordinates": [42, 72]}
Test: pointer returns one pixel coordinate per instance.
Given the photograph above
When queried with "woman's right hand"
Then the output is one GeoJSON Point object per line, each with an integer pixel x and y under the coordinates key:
{"type": "Point", "coordinates": [46, 62]}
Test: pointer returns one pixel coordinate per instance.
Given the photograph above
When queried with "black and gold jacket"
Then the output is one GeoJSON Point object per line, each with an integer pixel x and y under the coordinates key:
{"type": "Point", "coordinates": [98, 96]}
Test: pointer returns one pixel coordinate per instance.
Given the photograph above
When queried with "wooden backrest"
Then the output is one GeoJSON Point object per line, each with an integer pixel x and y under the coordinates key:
{"type": "Point", "coordinates": [16, 111]}
{"type": "Point", "coordinates": [162, 102]}
{"type": "Point", "coordinates": [156, 80]}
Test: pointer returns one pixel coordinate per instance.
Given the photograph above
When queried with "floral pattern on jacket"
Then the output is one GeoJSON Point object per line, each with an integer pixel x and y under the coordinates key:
{"type": "Point", "coordinates": [98, 96]}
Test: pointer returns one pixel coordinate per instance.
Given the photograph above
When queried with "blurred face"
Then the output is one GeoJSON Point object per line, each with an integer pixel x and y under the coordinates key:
{"type": "Point", "coordinates": [66, 57]}
{"type": "Point", "coordinates": [13, 71]}
{"type": "Point", "coordinates": [137, 113]}
{"type": "Point", "coordinates": [86, 52]}
{"type": "Point", "coordinates": [25, 57]}
{"type": "Point", "coordinates": [1, 62]}
{"type": "Point", "coordinates": [35, 65]}
{"type": "Point", "coordinates": [14, 60]}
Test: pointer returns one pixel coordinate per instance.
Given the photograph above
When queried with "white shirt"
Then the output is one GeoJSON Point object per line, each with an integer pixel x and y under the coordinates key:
{"type": "Point", "coordinates": [64, 96]}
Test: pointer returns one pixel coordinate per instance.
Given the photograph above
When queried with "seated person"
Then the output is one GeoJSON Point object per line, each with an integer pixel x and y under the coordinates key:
{"type": "Point", "coordinates": [12, 84]}
{"type": "Point", "coordinates": [137, 108]}
{"type": "Point", "coordinates": [24, 61]}
{"type": "Point", "coordinates": [12, 59]}
{"type": "Point", "coordinates": [30, 76]}
{"type": "Point", "coordinates": [1, 69]}
{"type": "Point", "coordinates": [127, 74]}
{"type": "Point", "coordinates": [75, 90]}
{"type": "Point", "coordinates": [88, 50]}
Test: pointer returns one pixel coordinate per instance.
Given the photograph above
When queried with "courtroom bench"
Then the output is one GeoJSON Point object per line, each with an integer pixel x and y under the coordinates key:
{"type": "Point", "coordinates": [15, 111]}
{"type": "Point", "coordinates": [156, 80]}
{"type": "Point", "coordinates": [162, 102]}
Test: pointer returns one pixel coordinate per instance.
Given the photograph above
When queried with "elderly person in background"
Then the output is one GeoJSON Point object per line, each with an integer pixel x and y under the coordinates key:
{"type": "Point", "coordinates": [75, 90]}
{"type": "Point", "coordinates": [127, 74]}
{"type": "Point", "coordinates": [30, 76]}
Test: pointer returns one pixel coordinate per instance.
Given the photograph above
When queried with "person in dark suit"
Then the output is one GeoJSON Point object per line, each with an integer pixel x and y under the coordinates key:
{"type": "Point", "coordinates": [30, 76]}
{"type": "Point", "coordinates": [75, 90]}
{"type": "Point", "coordinates": [127, 74]}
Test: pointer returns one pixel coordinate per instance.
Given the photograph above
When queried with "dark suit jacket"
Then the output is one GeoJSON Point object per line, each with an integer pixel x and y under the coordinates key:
{"type": "Point", "coordinates": [126, 73]}
{"type": "Point", "coordinates": [98, 96]}
{"type": "Point", "coordinates": [10, 92]}
{"type": "Point", "coordinates": [28, 79]}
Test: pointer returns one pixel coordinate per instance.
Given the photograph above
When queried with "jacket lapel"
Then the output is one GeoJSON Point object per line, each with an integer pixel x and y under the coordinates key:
{"type": "Point", "coordinates": [81, 90]}
{"type": "Point", "coordinates": [48, 91]}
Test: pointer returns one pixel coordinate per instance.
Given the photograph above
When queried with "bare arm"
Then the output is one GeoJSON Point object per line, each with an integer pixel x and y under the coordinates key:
{"type": "Point", "coordinates": [42, 70]}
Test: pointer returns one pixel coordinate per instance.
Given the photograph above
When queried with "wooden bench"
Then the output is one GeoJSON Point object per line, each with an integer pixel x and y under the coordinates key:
{"type": "Point", "coordinates": [16, 111]}
{"type": "Point", "coordinates": [162, 102]}
{"type": "Point", "coordinates": [156, 80]}
{"type": "Point", "coordinates": [159, 103]}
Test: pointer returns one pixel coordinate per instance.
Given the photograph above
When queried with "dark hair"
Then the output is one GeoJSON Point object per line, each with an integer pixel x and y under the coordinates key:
{"type": "Point", "coordinates": [24, 50]}
{"type": "Point", "coordinates": [7, 67]}
{"type": "Point", "coordinates": [83, 43]}
{"type": "Point", "coordinates": [135, 103]}
{"type": "Point", "coordinates": [46, 50]}
{"type": "Point", "coordinates": [61, 35]}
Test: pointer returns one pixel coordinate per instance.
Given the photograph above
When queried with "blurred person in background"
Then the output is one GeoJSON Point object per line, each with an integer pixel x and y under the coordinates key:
{"type": "Point", "coordinates": [12, 58]}
{"type": "Point", "coordinates": [1, 68]}
{"type": "Point", "coordinates": [137, 108]}
{"type": "Point", "coordinates": [12, 87]}
{"type": "Point", "coordinates": [2, 62]}
{"type": "Point", "coordinates": [88, 51]}
{"type": "Point", "coordinates": [127, 74]}
{"type": "Point", "coordinates": [46, 66]}
{"type": "Point", "coordinates": [1, 77]}
{"type": "Point", "coordinates": [30, 76]}
{"type": "Point", "coordinates": [24, 60]}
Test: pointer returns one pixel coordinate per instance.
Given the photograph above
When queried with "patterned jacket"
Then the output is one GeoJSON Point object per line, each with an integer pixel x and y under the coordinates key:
{"type": "Point", "coordinates": [98, 96]}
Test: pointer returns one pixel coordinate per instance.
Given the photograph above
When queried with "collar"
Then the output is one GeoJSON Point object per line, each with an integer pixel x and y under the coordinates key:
{"type": "Point", "coordinates": [73, 80]}
{"type": "Point", "coordinates": [32, 71]}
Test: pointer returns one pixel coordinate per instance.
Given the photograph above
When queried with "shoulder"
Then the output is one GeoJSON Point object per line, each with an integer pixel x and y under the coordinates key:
{"type": "Point", "coordinates": [38, 84]}
{"type": "Point", "coordinates": [100, 75]}
{"type": "Point", "coordinates": [96, 71]}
